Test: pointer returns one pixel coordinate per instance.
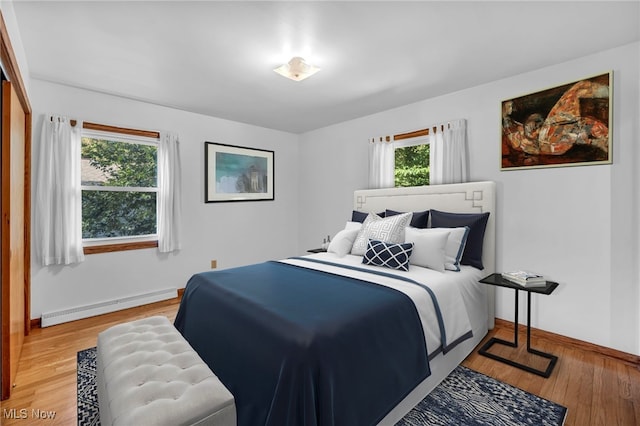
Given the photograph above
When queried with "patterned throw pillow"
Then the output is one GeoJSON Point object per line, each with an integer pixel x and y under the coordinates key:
{"type": "Point", "coordinates": [389, 229]}
{"type": "Point", "coordinates": [394, 256]}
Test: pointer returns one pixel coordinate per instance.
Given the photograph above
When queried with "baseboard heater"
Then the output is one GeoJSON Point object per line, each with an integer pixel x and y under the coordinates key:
{"type": "Point", "coordinates": [80, 312]}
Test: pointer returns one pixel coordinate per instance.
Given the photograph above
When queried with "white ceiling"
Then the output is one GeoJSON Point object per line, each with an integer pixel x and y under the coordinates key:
{"type": "Point", "coordinates": [217, 58]}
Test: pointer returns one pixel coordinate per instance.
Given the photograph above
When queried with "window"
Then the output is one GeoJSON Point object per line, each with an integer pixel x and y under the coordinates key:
{"type": "Point", "coordinates": [412, 163]}
{"type": "Point", "coordinates": [119, 187]}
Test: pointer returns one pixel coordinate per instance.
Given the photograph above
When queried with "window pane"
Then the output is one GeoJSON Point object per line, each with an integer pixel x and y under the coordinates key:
{"type": "Point", "coordinates": [118, 214]}
{"type": "Point", "coordinates": [412, 165]}
{"type": "Point", "coordinates": [113, 163]}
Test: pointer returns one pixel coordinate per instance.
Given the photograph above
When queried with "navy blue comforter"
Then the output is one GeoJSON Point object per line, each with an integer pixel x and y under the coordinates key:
{"type": "Point", "coordinates": [297, 346]}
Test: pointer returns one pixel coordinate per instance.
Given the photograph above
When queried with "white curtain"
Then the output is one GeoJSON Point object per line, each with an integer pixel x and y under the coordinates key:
{"type": "Point", "coordinates": [448, 153]}
{"type": "Point", "coordinates": [169, 192]}
{"type": "Point", "coordinates": [58, 197]}
{"type": "Point", "coordinates": [381, 164]}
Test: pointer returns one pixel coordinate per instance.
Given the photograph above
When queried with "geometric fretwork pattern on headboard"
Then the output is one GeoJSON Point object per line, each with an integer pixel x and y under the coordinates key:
{"type": "Point", "coordinates": [474, 199]}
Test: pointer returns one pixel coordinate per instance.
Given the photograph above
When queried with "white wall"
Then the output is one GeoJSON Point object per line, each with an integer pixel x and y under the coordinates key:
{"type": "Point", "coordinates": [577, 225]}
{"type": "Point", "coordinates": [232, 233]}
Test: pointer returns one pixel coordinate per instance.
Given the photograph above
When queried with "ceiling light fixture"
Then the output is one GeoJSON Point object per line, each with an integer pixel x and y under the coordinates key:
{"type": "Point", "coordinates": [296, 69]}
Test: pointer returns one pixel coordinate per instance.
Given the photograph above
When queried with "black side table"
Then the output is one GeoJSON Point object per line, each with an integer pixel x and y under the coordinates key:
{"type": "Point", "coordinates": [497, 280]}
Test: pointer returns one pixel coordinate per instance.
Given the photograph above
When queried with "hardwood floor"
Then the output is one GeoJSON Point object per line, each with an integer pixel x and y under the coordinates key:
{"type": "Point", "coordinates": [46, 378]}
{"type": "Point", "coordinates": [597, 389]}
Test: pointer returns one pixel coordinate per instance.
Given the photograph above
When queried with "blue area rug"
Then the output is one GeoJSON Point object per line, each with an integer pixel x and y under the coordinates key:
{"type": "Point", "coordinates": [464, 398]}
{"type": "Point", "coordinates": [469, 398]}
{"type": "Point", "coordinates": [88, 413]}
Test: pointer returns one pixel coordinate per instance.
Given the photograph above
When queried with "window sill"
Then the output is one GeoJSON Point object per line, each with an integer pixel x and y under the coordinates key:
{"type": "Point", "coordinates": [108, 248]}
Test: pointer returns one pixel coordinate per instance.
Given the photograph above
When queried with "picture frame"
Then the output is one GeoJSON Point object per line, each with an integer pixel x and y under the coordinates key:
{"type": "Point", "coordinates": [566, 125]}
{"type": "Point", "coordinates": [235, 173]}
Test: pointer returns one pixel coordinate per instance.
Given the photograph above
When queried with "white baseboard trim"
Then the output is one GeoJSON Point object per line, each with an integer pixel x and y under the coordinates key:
{"type": "Point", "coordinates": [80, 312]}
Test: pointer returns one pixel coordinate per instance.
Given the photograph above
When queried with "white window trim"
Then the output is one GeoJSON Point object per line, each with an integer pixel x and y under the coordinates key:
{"type": "Point", "coordinates": [421, 140]}
{"type": "Point", "coordinates": [119, 137]}
{"type": "Point", "coordinates": [92, 242]}
{"type": "Point", "coordinates": [119, 188]}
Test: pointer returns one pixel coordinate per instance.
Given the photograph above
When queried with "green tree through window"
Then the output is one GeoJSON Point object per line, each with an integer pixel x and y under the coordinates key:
{"type": "Point", "coordinates": [412, 165]}
{"type": "Point", "coordinates": [119, 188]}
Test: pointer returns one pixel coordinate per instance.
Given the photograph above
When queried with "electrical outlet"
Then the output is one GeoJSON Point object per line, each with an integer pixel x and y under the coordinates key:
{"type": "Point", "coordinates": [214, 264]}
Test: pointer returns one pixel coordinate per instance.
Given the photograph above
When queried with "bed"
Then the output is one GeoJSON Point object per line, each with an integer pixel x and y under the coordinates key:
{"type": "Point", "coordinates": [324, 339]}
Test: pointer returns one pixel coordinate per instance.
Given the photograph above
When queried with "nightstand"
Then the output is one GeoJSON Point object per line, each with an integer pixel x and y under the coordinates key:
{"type": "Point", "coordinates": [317, 250]}
{"type": "Point", "coordinates": [497, 280]}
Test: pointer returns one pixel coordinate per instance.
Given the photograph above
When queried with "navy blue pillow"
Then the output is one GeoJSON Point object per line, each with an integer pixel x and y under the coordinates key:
{"type": "Point", "coordinates": [357, 216]}
{"type": "Point", "coordinates": [477, 223]}
{"type": "Point", "coordinates": [388, 255]}
{"type": "Point", "coordinates": [418, 220]}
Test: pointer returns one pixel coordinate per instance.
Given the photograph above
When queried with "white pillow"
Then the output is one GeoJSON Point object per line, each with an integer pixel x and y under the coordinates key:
{"type": "Point", "coordinates": [353, 225]}
{"type": "Point", "coordinates": [388, 229]}
{"type": "Point", "coordinates": [428, 247]}
{"type": "Point", "coordinates": [455, 247]}
{"type": "Point", "coordinates": [343, 241]}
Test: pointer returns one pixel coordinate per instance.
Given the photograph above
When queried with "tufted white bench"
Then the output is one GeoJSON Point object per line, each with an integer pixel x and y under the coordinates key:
{"type": "Point", "coordinates": [147, 374]}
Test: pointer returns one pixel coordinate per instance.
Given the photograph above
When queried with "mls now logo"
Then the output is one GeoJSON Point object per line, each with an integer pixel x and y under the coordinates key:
{"type": "Point", "coordinates": [14, 413]}
{"type": "Point", "coordinates": [23, 413]}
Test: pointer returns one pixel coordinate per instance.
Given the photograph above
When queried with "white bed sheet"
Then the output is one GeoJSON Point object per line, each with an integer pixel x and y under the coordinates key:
{"type": "Point", "coordinates": [464, 308]}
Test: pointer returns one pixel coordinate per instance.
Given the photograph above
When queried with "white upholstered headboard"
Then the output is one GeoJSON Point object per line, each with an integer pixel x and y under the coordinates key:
{"type": "Point", "coordinates": [471, 197]}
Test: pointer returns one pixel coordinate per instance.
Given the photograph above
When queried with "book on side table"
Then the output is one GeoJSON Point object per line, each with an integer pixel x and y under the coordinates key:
{"type": "Point", "coordinates": [525, 278]}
